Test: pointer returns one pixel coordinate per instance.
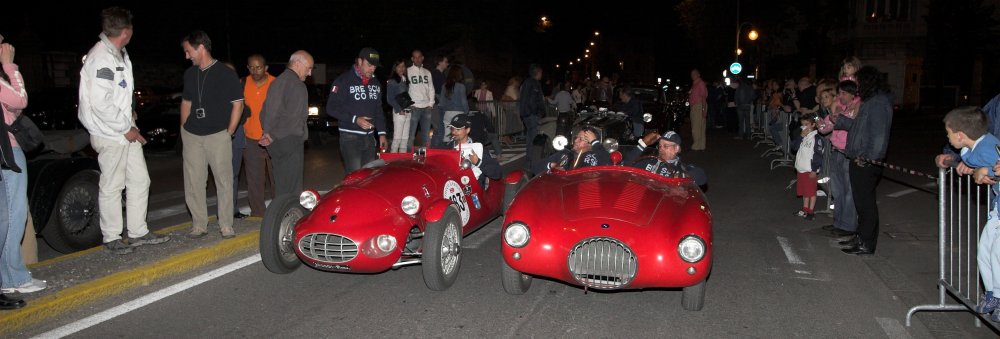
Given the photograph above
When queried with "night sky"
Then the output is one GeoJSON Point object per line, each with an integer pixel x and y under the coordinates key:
{"type": "Point", "coordinates": [335, 30]}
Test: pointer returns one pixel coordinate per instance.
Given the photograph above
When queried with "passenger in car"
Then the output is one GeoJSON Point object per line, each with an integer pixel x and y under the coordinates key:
{"type": "Point", "coordinates": [484, 165]}
{"type": "Point", "coordinates": [586, 151]}
{"type": "Point", "coordinates": [666, 162]}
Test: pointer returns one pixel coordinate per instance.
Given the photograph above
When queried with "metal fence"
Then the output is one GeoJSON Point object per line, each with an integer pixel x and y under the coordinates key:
{"type": "Point", "coordinates": [504, 114]}
{"type": "Point", "coordinates": [962, 212]}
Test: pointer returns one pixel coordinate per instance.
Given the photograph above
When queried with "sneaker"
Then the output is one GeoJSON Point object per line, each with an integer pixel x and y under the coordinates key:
{"type": "Point", "coordinates": [810, 216]}
{"type": "Point", "coordinates": [995, 317]}
{"type": "Point", "coordinates": [228, 233]}
{"type": "Point", "coordinates": [118, 247]}
{"type": "Point", "coordinates": [34, 285]}
{"type": "Point", "coordinates": [800, 214]}
{"type": "Point", "coordinates": [196, 234]}
{"type": "Point", "coordinates": [148, 239]}
{"type": "Point", "coordinates": [987, 303]}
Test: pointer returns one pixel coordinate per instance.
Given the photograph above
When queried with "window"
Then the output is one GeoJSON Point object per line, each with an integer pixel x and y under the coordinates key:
{"type": "Point", "coordinates": [887, 10]}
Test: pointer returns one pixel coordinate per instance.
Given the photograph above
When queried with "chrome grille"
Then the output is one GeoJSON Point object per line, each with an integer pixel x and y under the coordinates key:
{"type": "Point", "coordinates": [602, 263]}
{"type": "Point", "coordinates": [326, 247]}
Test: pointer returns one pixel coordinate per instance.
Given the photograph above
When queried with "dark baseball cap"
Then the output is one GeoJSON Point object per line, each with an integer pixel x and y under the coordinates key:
{"type": "Point", "coordinates": [460, 121]}
{"type": "Point", "coordinates": [671, 136]}
{"type": "Point", "coordinates": [371, 55]}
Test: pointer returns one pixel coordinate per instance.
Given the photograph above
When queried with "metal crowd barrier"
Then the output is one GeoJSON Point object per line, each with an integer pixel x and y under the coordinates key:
{"type": "Point", "coordinates": [961, 217]}
{"type": "Point", "coordinates": [786, 160]}
{"type": "Point", "coordinates": [504, 115]}
{"type": "Point", "coordinates": [758, 126]}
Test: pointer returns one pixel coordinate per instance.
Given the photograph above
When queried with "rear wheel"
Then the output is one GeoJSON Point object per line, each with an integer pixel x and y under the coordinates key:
{"type": "Point", "coordinates": [694, 297]}
{"type": "Point", "coordinates": [443, 251]}
{"type": "Point", "coordinates": [514, 282]}
{"type": "Point", "coordinates": [277, 234]}
{"type": "Point", "coordinates": [75, 223]}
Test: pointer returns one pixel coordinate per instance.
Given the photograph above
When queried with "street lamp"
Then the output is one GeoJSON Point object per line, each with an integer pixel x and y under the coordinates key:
{"type": "Point", "coordinates": [753, 35]}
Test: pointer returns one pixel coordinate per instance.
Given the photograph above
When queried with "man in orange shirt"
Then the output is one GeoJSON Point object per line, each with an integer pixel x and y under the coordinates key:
{"type": "Point", "coordinates": [257, 162]}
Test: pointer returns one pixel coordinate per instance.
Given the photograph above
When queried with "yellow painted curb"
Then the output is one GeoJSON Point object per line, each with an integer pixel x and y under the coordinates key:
{"type": "Point", "coordinates": [65, 257]}
{"type": "Point", "coordinates": [63, 301]}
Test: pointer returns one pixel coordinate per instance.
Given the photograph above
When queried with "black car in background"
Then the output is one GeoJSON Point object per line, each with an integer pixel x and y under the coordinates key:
{"type": "Point", "coordinates": [666, 113]}
{"type": "Point", "coordinates": [159, 123]}
{"type": "Point", "coordinates": [322, 127]}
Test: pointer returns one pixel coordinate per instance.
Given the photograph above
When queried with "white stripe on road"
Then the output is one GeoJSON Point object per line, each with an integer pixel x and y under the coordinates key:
{"type": "Point", "coordinates": [892, 328]}
{"type": "Point", "coordinates": [789, 253]}
{"type": "Point", "coordinates": [901, 193]}
{"type": "Point", "coordinates": [180, 208]}
{"type": "Point", "coordinates": [116, 311]}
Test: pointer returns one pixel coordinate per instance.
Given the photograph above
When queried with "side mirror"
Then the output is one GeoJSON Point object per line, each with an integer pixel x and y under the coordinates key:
{"type": "Point", "coordinates": [559, 142]}
{"type": "Point", "coordinates": [465, 164]}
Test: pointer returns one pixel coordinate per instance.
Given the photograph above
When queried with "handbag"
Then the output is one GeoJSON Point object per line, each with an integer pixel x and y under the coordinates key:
{"type": "Point", "coordinates": [404, 100]}
{"type": "Point", "coordinates": [27, 134]}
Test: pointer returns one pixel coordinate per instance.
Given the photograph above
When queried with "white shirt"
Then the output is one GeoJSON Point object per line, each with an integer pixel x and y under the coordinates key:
{"type": "Point", "coordinates": [803, 158]}
{"type": "Point", "coordinates": [421, 86]}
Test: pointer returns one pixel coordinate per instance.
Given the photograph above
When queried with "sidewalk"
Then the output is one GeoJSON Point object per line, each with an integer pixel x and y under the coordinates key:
{"type": "Point", "coordinates": [78, 279]}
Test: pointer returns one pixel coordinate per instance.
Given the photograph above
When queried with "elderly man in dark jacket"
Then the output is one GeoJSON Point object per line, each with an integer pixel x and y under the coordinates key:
{"type": "Point", "coordinates": [532, 108]}
{"type": "Point", "coordinates": [283, 120]}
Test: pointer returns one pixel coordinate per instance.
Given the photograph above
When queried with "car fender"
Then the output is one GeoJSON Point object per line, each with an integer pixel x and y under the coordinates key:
{"type": "Point", "coordinates": [45, 180]}
{"type": "Point", "coordinates": [513, 177]}
{"type": "Point", "coordinates": [436, 210]}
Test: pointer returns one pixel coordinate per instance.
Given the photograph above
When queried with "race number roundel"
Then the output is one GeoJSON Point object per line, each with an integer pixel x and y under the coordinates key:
{"type": "Point", "coordinates": [453, 192]}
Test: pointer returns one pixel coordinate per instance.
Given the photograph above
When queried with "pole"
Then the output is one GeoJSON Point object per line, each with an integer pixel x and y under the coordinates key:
{"type": "Point", "coordinates": [737, 31]}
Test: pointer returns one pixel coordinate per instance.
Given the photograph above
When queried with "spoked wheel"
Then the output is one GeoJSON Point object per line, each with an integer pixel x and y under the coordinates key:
{"type": "Point", "coordinates": [443, 251]}
{"type": "Point", "coordinates": [277, 234]}
{"type": "Point", "coordinates": [75, 221]}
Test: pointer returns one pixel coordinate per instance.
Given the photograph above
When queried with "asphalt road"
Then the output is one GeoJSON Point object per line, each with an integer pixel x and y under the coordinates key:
{"type": "Point", "coordinates": [774, 275]}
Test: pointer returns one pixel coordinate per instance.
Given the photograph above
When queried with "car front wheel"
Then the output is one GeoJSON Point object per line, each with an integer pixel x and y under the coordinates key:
{"type": "Point", "coordinates": [277, 234]}
{"type": "Point", "coordinates": [443, 251]}
{"type": "Point", "coordinates": [75, 221]}
{"type": "Point", "coordinates": [694, 297]}
{"type": "Point", "coordinates": [514, 282]}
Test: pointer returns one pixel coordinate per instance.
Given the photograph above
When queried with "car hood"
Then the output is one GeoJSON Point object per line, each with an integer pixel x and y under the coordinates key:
{"type": "Point", "coordinates": [615, 193]}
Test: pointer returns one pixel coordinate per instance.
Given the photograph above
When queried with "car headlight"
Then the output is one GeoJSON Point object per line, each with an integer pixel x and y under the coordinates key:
{"type": "Point", "coordinates": [646, 117]}
{"type": "Point", "coordinates": [309, 199]}
{"type": "Point", "coordinates": [516, 235]}
{"type": "Point", "coordinates": [157, 131]}
{"type": "Point", "coordinates": [385, 242]}
{"type": "Point", "coordinates": [559, 142]}
{"type": "Point", "coordinates": [691, 249]}
{"type": "Point", "coordinates": [410, 205]}
{"type": "Point", "coordinates": [313, 110]}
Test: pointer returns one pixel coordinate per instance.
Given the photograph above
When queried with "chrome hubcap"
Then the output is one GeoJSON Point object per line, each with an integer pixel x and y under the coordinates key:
{"type": "Point", "coordinates": [287, 234]}
{"type": "Point", "coordinates": [451, 248]}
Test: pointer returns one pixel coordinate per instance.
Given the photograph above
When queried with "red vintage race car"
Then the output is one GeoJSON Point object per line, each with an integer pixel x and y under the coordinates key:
{"type": "Point", "coordinates": [403, 209]}
{"type": "Point", "coordinates": [609, 227]}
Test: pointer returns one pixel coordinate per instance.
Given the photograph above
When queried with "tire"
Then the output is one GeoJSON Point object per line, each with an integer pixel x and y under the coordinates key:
{"type": "Point", "coordinates": [511, 192]}
{"type": "Point", "coordinates": [694, 297]}
{"type": "Point", "coordinates": [442, 257]}
{"type": "Point", "coordinates": [75, 223]}
{"type": "Point", "coordinates": [277, 232]}
{"type": "Point", "coordinates": [514, 282]}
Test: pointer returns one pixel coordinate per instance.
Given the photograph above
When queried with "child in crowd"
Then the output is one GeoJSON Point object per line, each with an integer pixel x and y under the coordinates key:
{"type": "Point", "coordinates": [848, 67]}
{"type": "Point", "coordinates": [967, 130]}
{"type": "Point", "coordinates": [808, 161]}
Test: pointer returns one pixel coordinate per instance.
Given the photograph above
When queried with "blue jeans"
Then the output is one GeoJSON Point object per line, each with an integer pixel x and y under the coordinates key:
{"type": "Point", "coordinates": [845, 216]}
{"type": "Point", "coordinates": [423, 117]}
{"type": "Point", "coordinates": [13, 273]}
{"type": "Point", "coordinates": [531, 130]}
{"type": "Point", "coordinates": [356, 149]}
{"type": "Point", "coordinates": [439, 132]}
{"type": "Point", "coordinates": [745, 114]}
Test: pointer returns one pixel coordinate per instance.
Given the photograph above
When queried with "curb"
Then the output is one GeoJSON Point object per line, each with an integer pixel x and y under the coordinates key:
{"type": "Point", "coordinates": [70, 298]}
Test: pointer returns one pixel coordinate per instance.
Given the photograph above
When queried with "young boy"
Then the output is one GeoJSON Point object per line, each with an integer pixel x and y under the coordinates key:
{"type": "Point", "coordinates": [808, 161]}
{"type": "Point", "coordinates": [966, 127]}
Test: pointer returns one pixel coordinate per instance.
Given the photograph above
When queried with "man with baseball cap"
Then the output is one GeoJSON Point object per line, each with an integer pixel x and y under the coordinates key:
{"type": "Point", "coordinates": [666, 162]}
{"type": "Point", "coordinates": [488, 167]}
{"type": "Point", "coordinates": [356, 102]}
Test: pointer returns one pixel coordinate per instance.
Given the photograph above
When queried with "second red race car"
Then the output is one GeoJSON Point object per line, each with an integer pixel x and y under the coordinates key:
{"type": "Point", "coordinates": [403, 209]}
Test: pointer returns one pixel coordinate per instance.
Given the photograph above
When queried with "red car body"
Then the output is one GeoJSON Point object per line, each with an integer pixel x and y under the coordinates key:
{"type": "Point", "coordinates": [367, 204]}
{"type": "Point", "coordinates": [625, 224]}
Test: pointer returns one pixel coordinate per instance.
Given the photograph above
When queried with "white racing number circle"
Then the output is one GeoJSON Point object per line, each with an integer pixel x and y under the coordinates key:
{"type": "Point", "coordinates": [453, 192]}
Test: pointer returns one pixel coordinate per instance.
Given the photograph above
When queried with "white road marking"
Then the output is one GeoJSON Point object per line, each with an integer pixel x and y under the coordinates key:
{"type": "Point", "coordinates": [892, 328]}
{"type": "Point", "coordinates": [482, 235]}
{"type": "Point", "coordinates": [931, 184]}
{"type": "Point", "coordinates": [180, 208]}
{"type": "Point", "coordinates": [116, 311]}
{"type": "Point", "coordinates": [789, 253]}
{"type": "Point", "coordinates": [901, 193]}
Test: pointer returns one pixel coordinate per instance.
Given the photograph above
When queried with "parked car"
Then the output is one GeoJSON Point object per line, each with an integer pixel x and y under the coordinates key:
{"type": "Point", "coordinates": [609, 228]}
{"type": "Point", "coordinates": [403, 209]}
{"type": "Point", "coordinates": [62, 191]}
{"type": "Point", "coordinates": [322, 127]}
{"type": "Point", "coordinates": [159, 123]}
{"type": "Point", "coordinates": [659, 105]}
{"type": "Point", "coordinates": [54, 109]}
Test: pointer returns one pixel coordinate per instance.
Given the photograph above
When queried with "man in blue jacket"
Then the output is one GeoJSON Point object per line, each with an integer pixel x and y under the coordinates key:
{"type": "Point", "coordinates": [532, 108]}
{"type": "Point", "coordinates": [356, 102]}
